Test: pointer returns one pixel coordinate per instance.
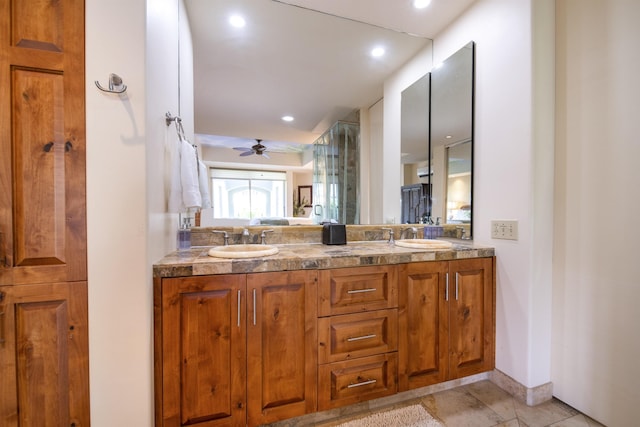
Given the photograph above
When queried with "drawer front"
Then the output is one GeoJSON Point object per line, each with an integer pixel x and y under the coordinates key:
{"type": "Point", "coordinates": [357, 335]}
{"type": "Point", "coordinates": [353, 381]}
{"type": "Point", "coordinates": [353, 290]}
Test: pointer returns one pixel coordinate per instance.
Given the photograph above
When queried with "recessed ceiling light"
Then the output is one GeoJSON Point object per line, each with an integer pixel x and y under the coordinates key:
{"type": "Point", "coordinates": [448, 137]}
{"type": "Point", "coordinates": [421, 4]}
{"type": "Point", "coordinates": [287, 118]}
{"type": "Point", "coordinates": [237, 21]}
{"type": "Point", "coordinates": [377, 52]}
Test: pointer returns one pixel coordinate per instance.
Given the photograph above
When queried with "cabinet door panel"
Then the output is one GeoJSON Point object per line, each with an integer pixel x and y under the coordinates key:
{"type": "Point", "coordinates": [204, 349]}
{"type": "Point", "coordinates": [282, 345]}
{"type": "Point", "coordinates": [43, 360]}
{"type": "Point", "coordinates": [423, 325]}
{"type": "Point", "coordinates": [39, 169]}
{"type": "Point", "coordinates": [471, 318]}
{"type": "Point", "coordinates": [42, 142]}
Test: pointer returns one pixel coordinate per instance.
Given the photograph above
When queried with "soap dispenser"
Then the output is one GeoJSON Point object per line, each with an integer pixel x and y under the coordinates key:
{"type": "Point", "coordinates": [184, 235]}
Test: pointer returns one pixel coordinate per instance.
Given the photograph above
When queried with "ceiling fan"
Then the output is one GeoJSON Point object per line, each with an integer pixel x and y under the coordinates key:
{"type": "Point", "coordinates": [258, 149]}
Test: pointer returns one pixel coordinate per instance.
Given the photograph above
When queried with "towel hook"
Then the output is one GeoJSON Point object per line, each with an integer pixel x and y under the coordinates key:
{"type": "Point", "coordinates": [178, 122]}
{"type": "Point", "coordinates": [115, 84]}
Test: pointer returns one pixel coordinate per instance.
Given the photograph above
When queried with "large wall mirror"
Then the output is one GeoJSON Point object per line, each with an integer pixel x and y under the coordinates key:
{"type": "Point", "coordinates": [285, 61]}
{"type": "Point", "coordinates": [451, 142]}
{"type": "Point", "coordinates": [437, 144]}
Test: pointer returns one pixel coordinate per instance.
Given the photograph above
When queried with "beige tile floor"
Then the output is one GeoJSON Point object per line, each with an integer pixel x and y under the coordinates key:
{"type": "Point", "coordinates": [483, 404]}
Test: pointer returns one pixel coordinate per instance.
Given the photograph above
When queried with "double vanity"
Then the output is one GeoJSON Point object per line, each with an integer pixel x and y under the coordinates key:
{"type": "Point", "coordinates": [313, 327]}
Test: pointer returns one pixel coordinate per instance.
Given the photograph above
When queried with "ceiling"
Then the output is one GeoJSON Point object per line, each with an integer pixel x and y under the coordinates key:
{"type": "Point", "coordinates": [299, 58]}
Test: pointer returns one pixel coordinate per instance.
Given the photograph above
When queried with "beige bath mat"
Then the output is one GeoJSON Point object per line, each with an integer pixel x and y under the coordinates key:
{"type": "Point", "coordinates": [409, 416]}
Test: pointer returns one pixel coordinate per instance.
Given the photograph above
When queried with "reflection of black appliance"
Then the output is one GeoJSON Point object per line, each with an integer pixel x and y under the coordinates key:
{"type": "Point", "coordinates": [415, 202]}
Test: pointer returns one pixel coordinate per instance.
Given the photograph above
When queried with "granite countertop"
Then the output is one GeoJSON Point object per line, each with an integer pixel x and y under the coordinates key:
{"type": "Point", "coordinates": [310, 256]}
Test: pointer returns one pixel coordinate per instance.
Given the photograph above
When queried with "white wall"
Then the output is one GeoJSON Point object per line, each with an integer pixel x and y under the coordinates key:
{"type": "Point", "coordinates": [128, 228]}
{"type": "Point", "coordinates": [508, 183]}
{"type": "Point", "coordinates": [119, 284]}
{"type": "Point", "coordinates": [596, 338]}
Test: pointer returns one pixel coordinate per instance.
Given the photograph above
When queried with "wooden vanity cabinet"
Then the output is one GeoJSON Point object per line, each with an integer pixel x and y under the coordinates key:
{"type": "Point", "coordinates": [446, 320]}
{"type": "Point", "coordinates": [235, 350]}
{"type": "Point", "coordinates": [357, 334]}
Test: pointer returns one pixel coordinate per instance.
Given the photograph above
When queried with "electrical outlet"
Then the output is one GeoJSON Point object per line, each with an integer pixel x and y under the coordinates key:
{"type": "Point", "coordinates": [504, 229]}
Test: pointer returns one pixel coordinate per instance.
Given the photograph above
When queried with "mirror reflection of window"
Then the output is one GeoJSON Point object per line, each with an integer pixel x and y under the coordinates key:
{"type": "Point", "coordinates": [248, 194]}
{"type": "Point", "coordinates": [459, 183]}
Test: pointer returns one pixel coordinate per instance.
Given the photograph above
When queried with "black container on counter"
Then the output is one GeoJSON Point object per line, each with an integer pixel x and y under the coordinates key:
{"type": "Point", "coordinates": [334, 234]}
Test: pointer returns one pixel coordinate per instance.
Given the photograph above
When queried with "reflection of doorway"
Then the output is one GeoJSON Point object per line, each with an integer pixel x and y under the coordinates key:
{"type": "Point", "coordinates": [459, 183]}
{"type": "Point", "coordinates": [414, 203]}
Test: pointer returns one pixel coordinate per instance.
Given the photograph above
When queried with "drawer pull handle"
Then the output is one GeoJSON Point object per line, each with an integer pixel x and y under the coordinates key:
{"type": "Point", "coordinates": [364, 337]}
{"type": "Point", "coordinates": [367, 382]}
{"type": "Point", "coordinates": [361, 291]}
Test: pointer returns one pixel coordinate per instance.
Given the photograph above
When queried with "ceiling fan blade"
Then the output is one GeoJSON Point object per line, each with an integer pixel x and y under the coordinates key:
{"type": "Point", "coordinates": [263, 154]}
{"type": "Point", "coordinates": [246, 153]}
{"type": "Point", "coordinates": [242, 148]}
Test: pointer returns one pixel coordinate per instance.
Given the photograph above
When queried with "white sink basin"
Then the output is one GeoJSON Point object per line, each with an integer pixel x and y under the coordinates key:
{"type": "Point", "coordinates": [243, 251]}
{"type": "Point", "coordinates": [424, 244]}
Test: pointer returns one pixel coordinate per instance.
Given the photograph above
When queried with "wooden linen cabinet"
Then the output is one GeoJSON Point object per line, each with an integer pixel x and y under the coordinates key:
{"type": "Point", "coordinates": [44, 363]}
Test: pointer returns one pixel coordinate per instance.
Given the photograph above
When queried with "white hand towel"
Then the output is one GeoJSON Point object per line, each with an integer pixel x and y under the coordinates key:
{"type": "Point", "coordinates": [172, 157]}
{"type": "Point", "coordinates": [189, 176]}
{"type": "Point", "coordinates": [203, 178]}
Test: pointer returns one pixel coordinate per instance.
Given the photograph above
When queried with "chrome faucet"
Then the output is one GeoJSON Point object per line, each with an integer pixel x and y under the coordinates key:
{"type": "Point", "coordinates": [225, 236]}
{"type": "Point", "coordinates": [263, 236]}
{"type": "Point", "coordinates": [245, 236]}
{"type": "Point", "coordinates": [390, 230]}
{"type": "Point", "coordinates": [414, 232]}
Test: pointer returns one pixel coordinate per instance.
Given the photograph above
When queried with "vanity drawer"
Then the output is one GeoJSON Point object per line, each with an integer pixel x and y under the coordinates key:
{"type": "Point", "coordinates": [357, 289]}
{"type": "Point", "coordinates": [353, 381]}
{"type": "Point", "coordinates": [357, 335]}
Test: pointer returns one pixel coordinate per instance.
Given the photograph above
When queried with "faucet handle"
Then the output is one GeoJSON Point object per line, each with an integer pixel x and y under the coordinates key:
{"type": "Point", "coordinates": [390, 230]}
{"type": "Point", "coordinates": [225, 236]}
{"type": "Point", "coordinates": [263, 236]}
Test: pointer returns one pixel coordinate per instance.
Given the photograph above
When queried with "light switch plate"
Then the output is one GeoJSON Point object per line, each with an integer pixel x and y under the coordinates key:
{"type": "Point", "coordinates": [504, 229]}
